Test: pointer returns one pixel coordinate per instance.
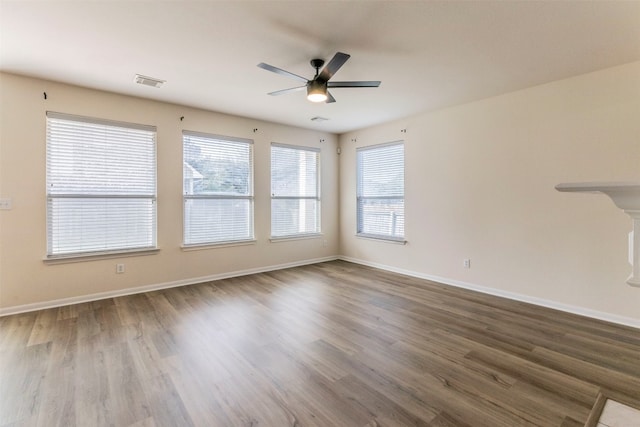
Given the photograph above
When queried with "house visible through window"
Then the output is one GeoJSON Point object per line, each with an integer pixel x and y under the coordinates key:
{"type": "Point", "coordinates": [217, 188]}
{"type": "Point", "coordinates": [101, 186]}
{"type": "Point", "coordinates": [295, 191]}
{"type": "Point", "coordinates": [380, 191]}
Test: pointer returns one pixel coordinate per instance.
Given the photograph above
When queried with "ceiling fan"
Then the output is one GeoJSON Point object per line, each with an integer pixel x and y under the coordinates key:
{"type": "Point", "coordinates": [317, 88]}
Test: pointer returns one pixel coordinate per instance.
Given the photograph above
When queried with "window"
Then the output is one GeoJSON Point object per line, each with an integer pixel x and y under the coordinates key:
{"type": "Point", "coordinates": [217, 188]}
{"type": "Point", "coordinates": [380, 191]}
{"type": "Point", "coordinates": [101, 186]}
{"type": "Point", "coordinates": [295, 192]}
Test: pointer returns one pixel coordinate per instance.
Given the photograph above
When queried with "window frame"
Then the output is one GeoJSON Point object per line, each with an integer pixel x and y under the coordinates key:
{"type": "Point", "coordinates": [250, 197]}
{"type": "Point", "coordinates": [51, 254]}
{"type": "Point", "coordinates": [317, 198]}
{"type": "Point", "coordinates": [360, 198]}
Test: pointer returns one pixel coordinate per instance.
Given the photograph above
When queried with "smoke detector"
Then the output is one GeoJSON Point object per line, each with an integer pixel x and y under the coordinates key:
{"type": "Point", "coordinates": [148, 81]}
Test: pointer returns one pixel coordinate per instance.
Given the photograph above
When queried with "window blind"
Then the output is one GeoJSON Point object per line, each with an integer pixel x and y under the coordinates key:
{"type": "Point", "coordinates": [380, 191]}
{"type": "Point", "coordinates": [218, 189]}
{"type": "Point", "coordinates": [295, 191]}
{"type": "Point", "coordinates": [101, 186]}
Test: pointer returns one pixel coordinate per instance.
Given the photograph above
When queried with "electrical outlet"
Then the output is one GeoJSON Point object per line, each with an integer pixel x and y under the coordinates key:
{"type": "Point", "coordinates": [324, 243]}
{"type": "Point", "coordinates": [119, 268]}
{"type": "Point", "coordinates": [467, 263]}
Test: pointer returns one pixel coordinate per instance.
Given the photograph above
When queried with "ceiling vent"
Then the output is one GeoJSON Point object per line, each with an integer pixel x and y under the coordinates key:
{"type": "Point", "coordinates": [148, 81]}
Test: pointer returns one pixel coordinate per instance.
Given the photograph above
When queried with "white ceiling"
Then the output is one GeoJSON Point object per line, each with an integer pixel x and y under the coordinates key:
{"type": "Point", "coordinates": [428, 54]}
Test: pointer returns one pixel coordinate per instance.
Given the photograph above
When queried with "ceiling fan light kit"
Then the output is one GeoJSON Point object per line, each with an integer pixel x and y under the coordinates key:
{"type": "Point", "coordinates": [316, 91]}
{"type": "Point", "coordinates": [317, 88]}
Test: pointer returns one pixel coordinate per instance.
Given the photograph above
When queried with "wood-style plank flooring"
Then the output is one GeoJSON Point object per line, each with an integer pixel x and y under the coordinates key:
{"type": "Point", "coordinates": [332, 344]}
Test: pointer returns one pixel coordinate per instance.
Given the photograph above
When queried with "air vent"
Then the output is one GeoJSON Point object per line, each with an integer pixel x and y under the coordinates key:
{"type": "Point", "coordinates": [319, 119]}
{"type": "Point", "coordinates": [148, 81]}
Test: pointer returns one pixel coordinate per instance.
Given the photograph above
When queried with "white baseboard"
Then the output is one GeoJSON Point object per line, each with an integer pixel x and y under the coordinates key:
{"type": "Point", "coordinates": [608, 317]}
{"type": "Point", "coordinates": [148, 288]}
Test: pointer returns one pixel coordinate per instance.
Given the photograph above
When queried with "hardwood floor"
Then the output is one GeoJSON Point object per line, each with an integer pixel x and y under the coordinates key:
{"type": "Point", "coordinates": [332, 344]}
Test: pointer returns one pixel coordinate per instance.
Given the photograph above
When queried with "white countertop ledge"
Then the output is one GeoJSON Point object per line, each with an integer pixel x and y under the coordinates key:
{"type": "Point", "coordinates": [626, 196]}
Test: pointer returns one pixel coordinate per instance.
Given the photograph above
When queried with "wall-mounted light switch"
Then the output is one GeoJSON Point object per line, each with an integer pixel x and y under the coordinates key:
{"type": "Point", "coordinates": [5, 204]}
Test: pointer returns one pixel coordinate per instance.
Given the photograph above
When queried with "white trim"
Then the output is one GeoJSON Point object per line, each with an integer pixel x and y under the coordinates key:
{"type": "Point", "coordinates": [600, 315]}
{"type": "Point", "coordinates": [204, 246]}
{"type": "Point", "coordinates": [381, 238]}
{"type": "Point", "coordinates": [222, 138]}
{"type": "Point", "coordinates": [608, 317]}
{"type": "Point", "coordinates": [93, 256]}
{"type": "Point", "coordinates": [290, 237]}
{"type": "Point", "coordinates": [384, 144]}
{"type": "Point", "coordinates": [103, 122]}
{"type": "Point", "coordinates": [149, 288]}
{"type": "Point", "coordinates": [296, 147]}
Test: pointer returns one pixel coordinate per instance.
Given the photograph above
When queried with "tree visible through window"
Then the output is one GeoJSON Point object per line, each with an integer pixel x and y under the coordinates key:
{"type": "Point", "coordinates": [380, 191]}
{"type": "Point", "coordinates": [217, 188]}
{"type": "Point", "coordinates": [295, 192]}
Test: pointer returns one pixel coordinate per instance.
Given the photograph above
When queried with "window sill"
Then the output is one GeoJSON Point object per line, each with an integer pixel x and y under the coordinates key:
{"type": "Point", "coordinates": [94, 256]}
{"type": "Point", "coordinates": [295, 237]}
{"type": "Point", "coordinates": [384, 239]}
{"type": "Point", "coordinates": [205, 246]}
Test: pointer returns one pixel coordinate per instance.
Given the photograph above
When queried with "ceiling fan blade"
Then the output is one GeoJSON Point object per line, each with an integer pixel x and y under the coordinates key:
{"type": "Point", "coordinates": [334, 65]}
{"type": "Point", "coordinates": [281, 72]}
{"type": "Point", "coordinates": [330, 98]}
{"type": "Point", "coordinates": [371, 83]}
{"type": "Point", "coordinates": [283, 91]}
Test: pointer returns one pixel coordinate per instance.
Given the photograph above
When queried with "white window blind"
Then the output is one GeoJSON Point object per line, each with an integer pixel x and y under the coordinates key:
{"type": "Point", "coordinates": [101, 186]}
{"type": "Point", "coordinates": [295, 191]}
{"type": "Point", "coordinates": [380, 191]}
{"type": "Point", "coordinates": [218, 189]}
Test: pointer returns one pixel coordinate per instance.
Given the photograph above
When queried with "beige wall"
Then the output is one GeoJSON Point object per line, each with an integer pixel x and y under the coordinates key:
{"type": "Point", "coordinates": [480, 184]}
{"type": "Point", "coordinates": [26, 279]}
